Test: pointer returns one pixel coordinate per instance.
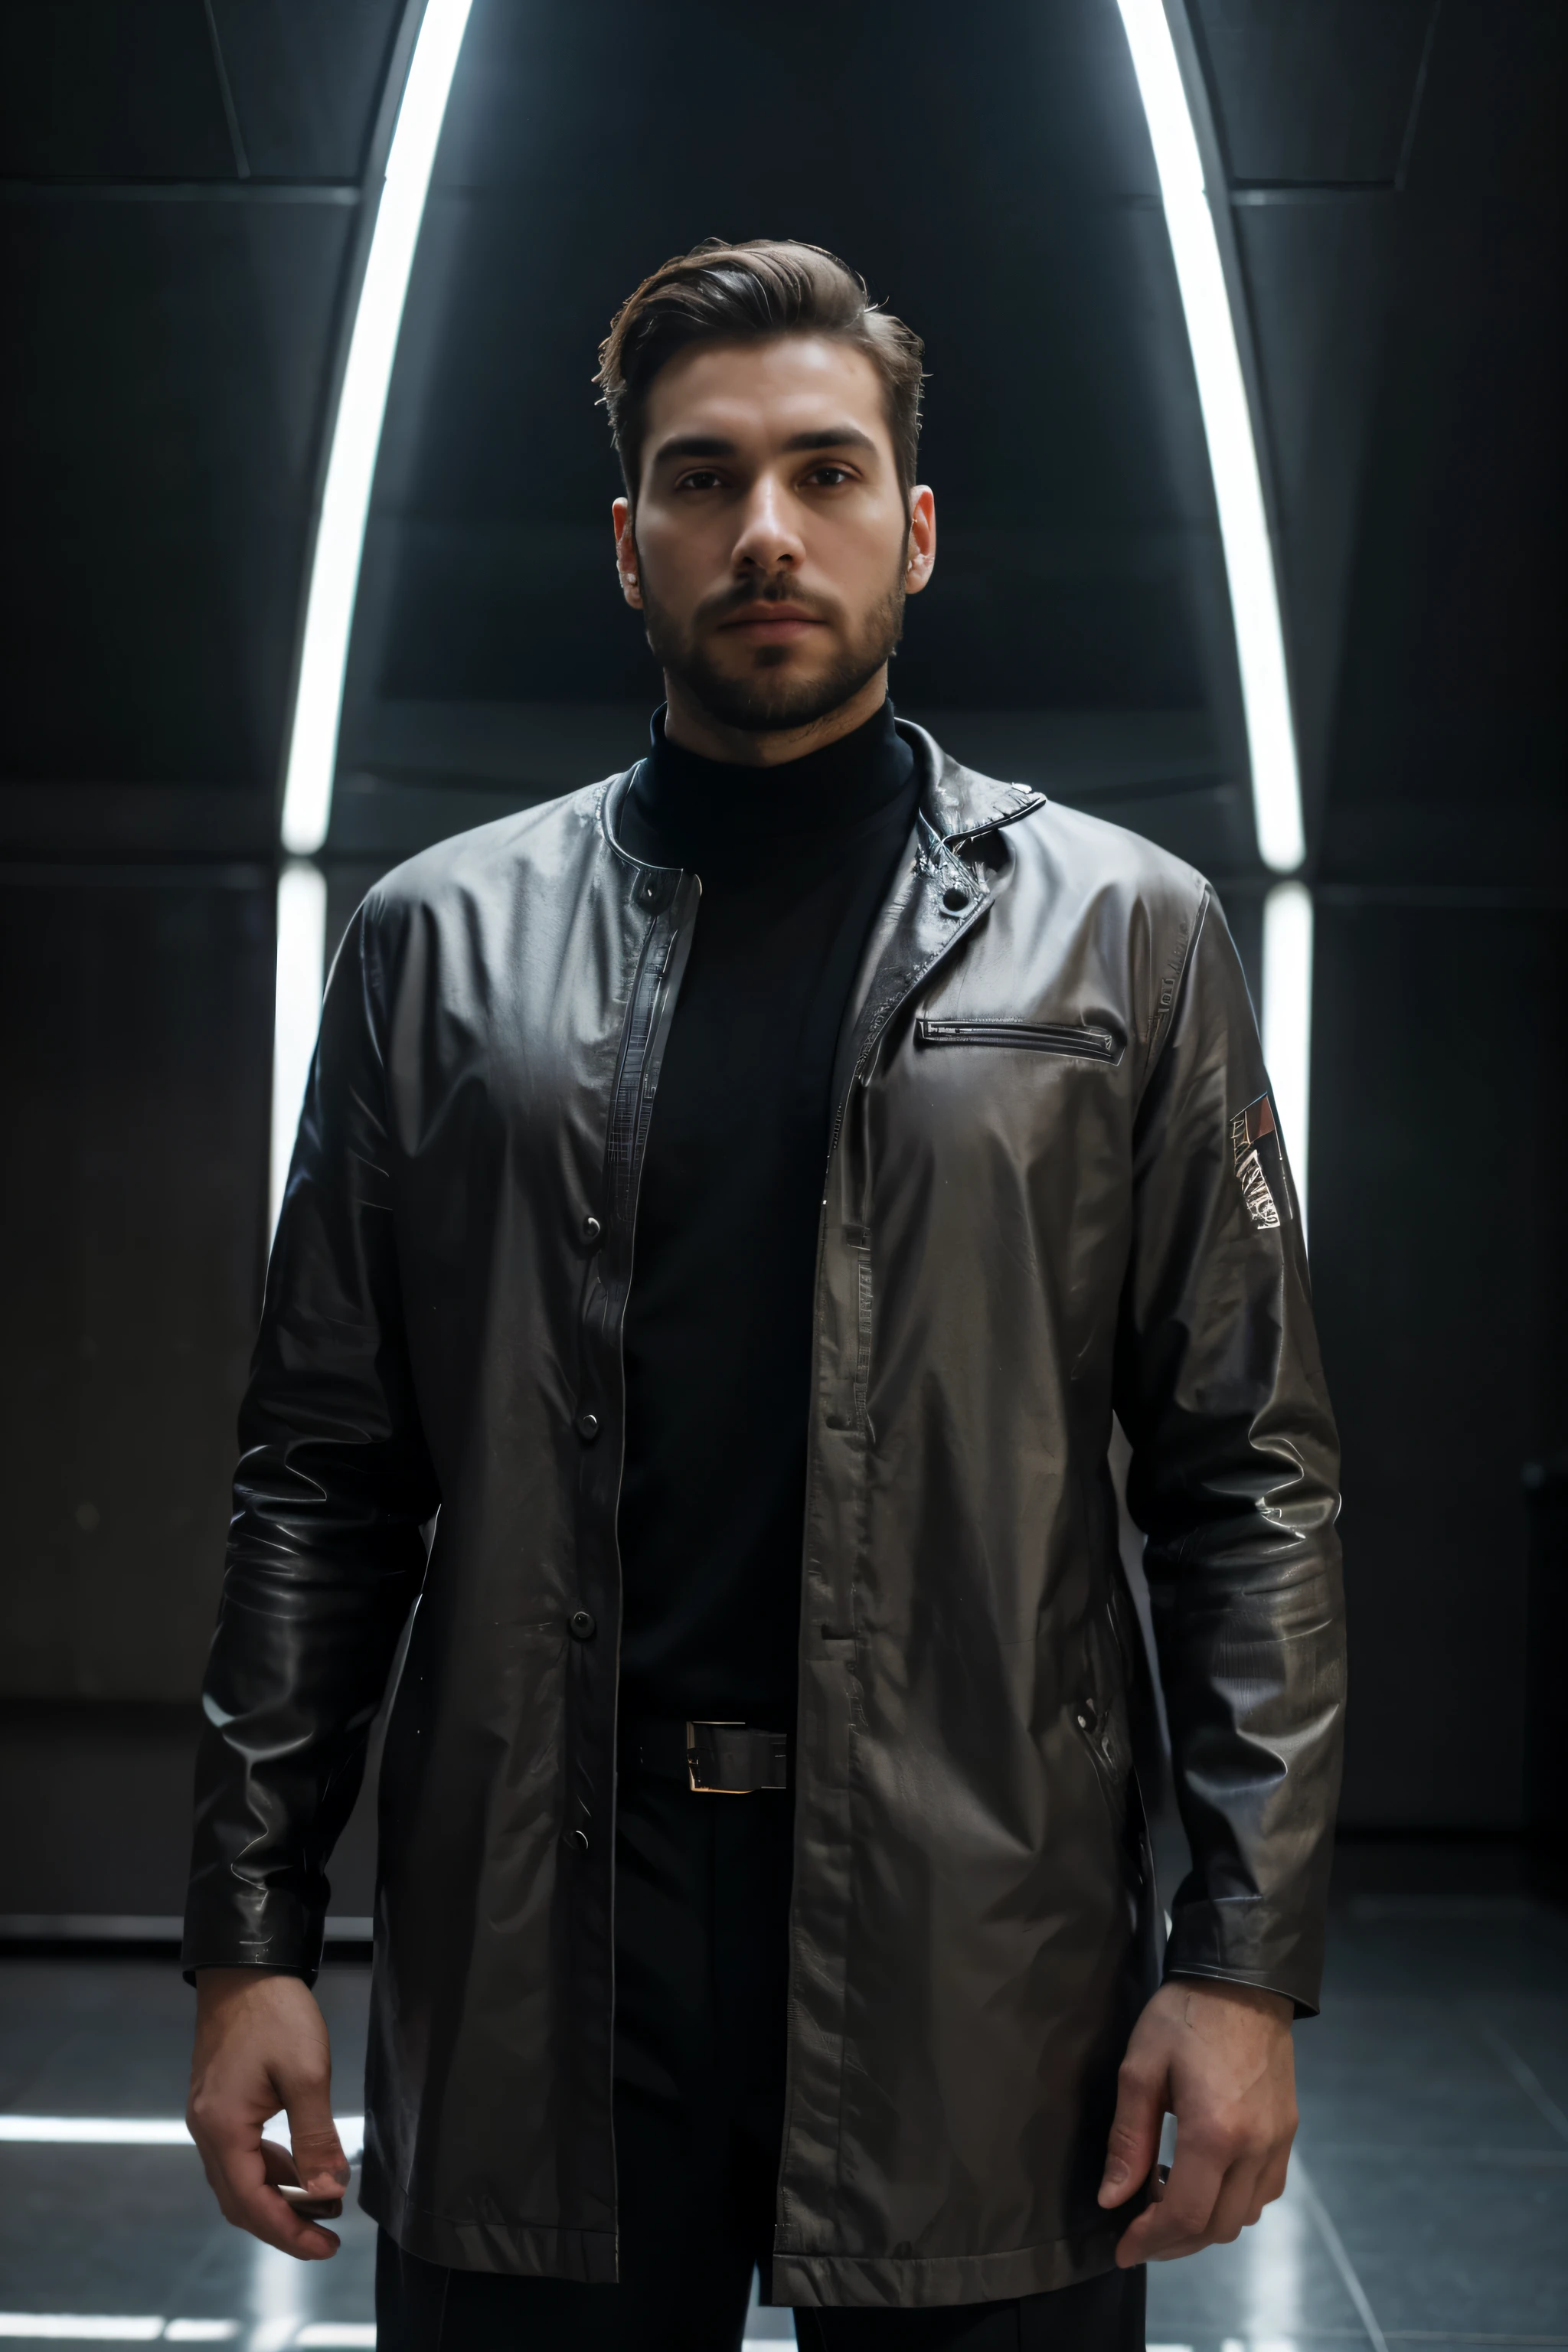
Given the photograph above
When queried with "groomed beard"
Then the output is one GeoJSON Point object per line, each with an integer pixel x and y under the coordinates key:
{"type": "Point", "coordinates": [769, 701]}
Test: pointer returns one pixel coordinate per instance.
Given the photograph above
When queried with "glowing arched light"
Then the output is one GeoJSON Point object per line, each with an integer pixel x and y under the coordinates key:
{"type": "Point", "coordinates": [1227, 426]}
{"type": "Point", "coordinates": [1287, 1019]}
{"type": "Point", "coordinates": [334, 569]}
{"type": "Point", "coordinates": [356, 433]}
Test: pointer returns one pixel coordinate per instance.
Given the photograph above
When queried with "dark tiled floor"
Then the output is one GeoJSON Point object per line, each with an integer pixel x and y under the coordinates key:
{"type": "Point", "coordinates": [1428, 2200]}
{"type": "Point", "coordinates": [1428, 2205]}
{"type": "Point", "coordinates": [133, 2231]}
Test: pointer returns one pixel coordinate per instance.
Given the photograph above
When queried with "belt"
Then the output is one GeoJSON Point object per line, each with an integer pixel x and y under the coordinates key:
{"type": "Point", "coordinates": [716, 1759]}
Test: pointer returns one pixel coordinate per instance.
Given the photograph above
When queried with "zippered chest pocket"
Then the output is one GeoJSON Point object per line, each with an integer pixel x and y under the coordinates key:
{"type": "Point", "coordinates": [1075, 1039]}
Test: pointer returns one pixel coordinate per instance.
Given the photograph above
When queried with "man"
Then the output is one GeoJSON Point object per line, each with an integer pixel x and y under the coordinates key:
{"type": "Point", "coordinates": [730, 1203]}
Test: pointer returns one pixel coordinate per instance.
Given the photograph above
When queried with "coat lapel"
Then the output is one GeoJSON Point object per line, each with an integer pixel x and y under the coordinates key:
{"type": "Point", "coordinates": [915, 929]}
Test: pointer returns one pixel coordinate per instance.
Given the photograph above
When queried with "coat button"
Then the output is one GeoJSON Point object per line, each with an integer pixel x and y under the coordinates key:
{"type": "Point", "coordinates": [588, 1426]}
{"type": "Point", "coordinates": [581, 1623]}
{"type": "Point", "coordinates": [592, 1232]}
{"type": "Point", "coordinates": [576, 1840]}
{"type": "Point", "coordinates": [954, 899]}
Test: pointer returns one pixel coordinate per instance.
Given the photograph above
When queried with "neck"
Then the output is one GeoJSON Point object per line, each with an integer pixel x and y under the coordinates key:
{"type": "Point", "coordinates": [695, 730]}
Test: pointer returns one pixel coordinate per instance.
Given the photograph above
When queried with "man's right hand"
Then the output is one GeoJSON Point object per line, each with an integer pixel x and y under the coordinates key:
{"type": "Point", "coordinates": [261, 2046]}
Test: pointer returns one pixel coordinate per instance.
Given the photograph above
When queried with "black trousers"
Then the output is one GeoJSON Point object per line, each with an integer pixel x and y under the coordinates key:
{"type": "Point", "coordinates": [702, 1959]}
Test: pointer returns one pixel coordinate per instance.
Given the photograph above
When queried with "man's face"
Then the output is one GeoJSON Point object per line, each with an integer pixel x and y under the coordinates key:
{"type": "Point", "coordinates": [771, 551]}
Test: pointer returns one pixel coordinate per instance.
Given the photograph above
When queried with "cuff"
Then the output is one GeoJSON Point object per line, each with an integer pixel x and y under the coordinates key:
{"type": "Point", "coordinates": [1245, 1941]}
{"type": "Point", "coordinates": [251, 1928]}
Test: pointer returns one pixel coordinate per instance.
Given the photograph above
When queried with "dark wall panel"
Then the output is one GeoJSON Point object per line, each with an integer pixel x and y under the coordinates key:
{"type": "Point", "coordinates": [1314, 92]}
{"type": "Point", "coordinates": [1398, 213]}
{"type": "Point", "coordinates": [95, 1812]}
{"type": "Point", "coordinates": [134, 89]}
{"type": "Point", "coordinates": [1438, 1133]}
{"type": "Point", "coordinates": [110, 90]}
{"type": "Point", "coordinates": [1449, 754]}
{"type": "Point", "coordinates": [1316, 275]}
{"type": "Point", "coordinates": [132, 1201]}
{"type": "Point", "coordinates": [305, 77]}
{"type": "Point", "coordinates": [161, 417]}
{"type": "Point", "coordinates": [1079, 567]}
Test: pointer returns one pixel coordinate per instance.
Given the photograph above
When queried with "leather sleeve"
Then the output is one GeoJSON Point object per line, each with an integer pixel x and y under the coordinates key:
{"type": "Point", "coordinates": [1234, 1483]}
{"type": "Point", "coordinates": [325, 1555]}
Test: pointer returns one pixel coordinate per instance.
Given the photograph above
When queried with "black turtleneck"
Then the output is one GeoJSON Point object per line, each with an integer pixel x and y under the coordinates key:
{"type": "Point", "coordinates": [795, 863]}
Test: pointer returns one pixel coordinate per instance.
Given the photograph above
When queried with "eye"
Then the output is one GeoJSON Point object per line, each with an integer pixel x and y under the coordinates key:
{"type": "Point", "coordinates": [702, 479]}
{"type": "Point", "coordinates": [830, 477]}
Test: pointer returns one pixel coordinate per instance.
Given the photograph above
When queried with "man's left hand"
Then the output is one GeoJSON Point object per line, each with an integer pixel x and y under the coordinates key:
{"type": "Point", "coordinates": [1218, 2057]}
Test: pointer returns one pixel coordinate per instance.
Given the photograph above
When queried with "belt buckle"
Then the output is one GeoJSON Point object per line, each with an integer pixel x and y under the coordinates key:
{"type": "Point", "coordinates": [710, 1788]}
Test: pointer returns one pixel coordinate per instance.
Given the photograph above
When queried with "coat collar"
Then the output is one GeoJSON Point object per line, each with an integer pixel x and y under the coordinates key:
{"type": "Point", "coordinates": [955, 802]}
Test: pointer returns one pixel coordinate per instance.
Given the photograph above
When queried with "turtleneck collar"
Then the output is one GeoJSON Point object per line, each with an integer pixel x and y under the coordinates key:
{"type": "Point", "coordinates": [697, 808]}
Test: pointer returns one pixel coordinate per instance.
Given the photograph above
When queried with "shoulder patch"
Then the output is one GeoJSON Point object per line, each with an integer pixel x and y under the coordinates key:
{"type": "Point", "coordinates": [1256, 1156]}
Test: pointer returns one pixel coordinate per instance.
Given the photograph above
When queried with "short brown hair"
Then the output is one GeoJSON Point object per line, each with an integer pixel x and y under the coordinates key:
{"type": "Point", "coordinates": [749, 293]}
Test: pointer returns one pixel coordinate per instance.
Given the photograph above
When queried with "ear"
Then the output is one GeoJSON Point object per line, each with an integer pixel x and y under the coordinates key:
{"type": "Point", "coordinates": [922, 558]}
{"type": "Point", "coordinates": [627, 560]}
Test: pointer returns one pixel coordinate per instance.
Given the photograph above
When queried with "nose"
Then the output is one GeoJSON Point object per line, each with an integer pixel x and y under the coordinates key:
{"type": "Point", "coordinates": [768, 540]}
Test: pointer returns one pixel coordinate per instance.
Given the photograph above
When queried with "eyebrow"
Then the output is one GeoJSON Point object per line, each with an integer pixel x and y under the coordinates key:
{"type": "Point", "coordinates": [838, 436]}
{"type": "Point", "coordinates": [714, 444]}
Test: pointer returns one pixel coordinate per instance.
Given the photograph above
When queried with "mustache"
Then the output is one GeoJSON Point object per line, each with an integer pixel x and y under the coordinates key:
{"type": "Point", "coordinates": [777, 589]}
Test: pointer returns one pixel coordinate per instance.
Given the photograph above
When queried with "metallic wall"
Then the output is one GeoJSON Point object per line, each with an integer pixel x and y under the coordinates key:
{"type": "Point", "coordinates": [182, 216]}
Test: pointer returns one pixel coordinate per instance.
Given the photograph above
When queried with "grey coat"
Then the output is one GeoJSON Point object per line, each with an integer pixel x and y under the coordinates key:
{"type": "Point", "coordinates": [1053, 1191]}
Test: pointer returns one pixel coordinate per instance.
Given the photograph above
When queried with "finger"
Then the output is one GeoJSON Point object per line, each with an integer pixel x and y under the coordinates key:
{"type": "Point", "coordinates": [1272, 2178]}
{"type": "Point", "coordinates": [279, 2163]}
{"type": "Point", "coordinates": [241, 2173]}
{"type": "Point", "coordinates": [1176, 2225]}
{"type": "Point", "coordinates": [295, 2232]}
{"type": "Point", "coordinates": [1268, 2182]}
{"type": "Point", "coordinates": [318, 2159]}
{"type": "Point", "coordinates": [1134, 2136]}
{"type": "Point", "coordinates": [282, 2176]}
{"type": "Point", "coordinates": [1237, 2205]}
{"type": "Point", "coordinates": [306, 2240]}
{"type": "Point", "coordinates": [313, 2209]}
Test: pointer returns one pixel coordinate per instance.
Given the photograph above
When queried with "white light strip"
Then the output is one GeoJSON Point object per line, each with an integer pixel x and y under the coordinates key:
{"type": "Point", "coordinates": [70, 2328]}
{"type": "Point", "coordinates": [143, 2131]}
{"type": "Point", "coordinates": [95, 2131]}
{"type": "Point", "coordinates": [91, 2328]}
{"type": "Point", "coordinates": [356, 433]}
{"type": "Point", "coordinates": [78, 2329]}
{"type": "Point", "coordinates": [296, 1011]}
{"type": "Point", "coordinates": [315, 2335]}
{"type": "Point", "coordinates": [1287, 1020]}
{"type": "Point", "coordinates": [1227, 426]}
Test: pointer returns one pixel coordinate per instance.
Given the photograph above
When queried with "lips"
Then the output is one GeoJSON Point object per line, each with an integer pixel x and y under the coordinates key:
{"type": "Point", "coordinates": [779, 621]}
